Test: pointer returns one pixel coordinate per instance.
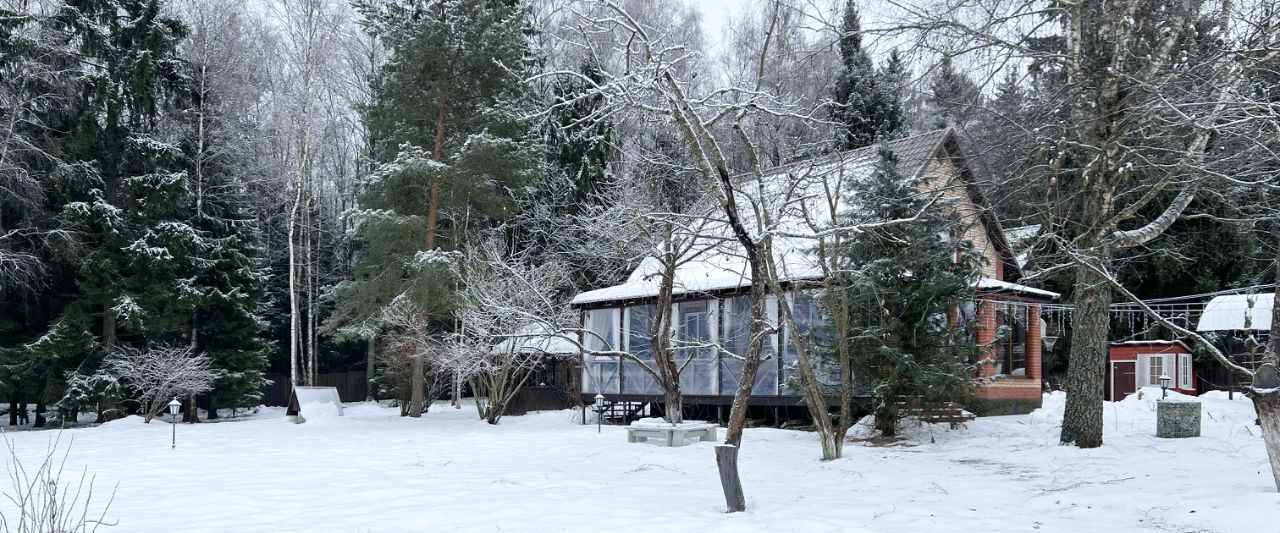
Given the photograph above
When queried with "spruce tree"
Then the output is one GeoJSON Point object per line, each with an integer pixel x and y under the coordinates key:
{"type": "Point", "coordinates": [954, 100]}
{"type": "Point", "coordinates": [865, 99]}
{"type": "Point", "coordinates": [902, 283]}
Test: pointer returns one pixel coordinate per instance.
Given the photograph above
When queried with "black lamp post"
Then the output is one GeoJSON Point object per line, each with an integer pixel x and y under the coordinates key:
{"type": "Point", "coordinates": [174, 405]}
{"type": "Point", "coordinates": [1164, 385]}
{"type": "Point", "coordinates": [599, 411]}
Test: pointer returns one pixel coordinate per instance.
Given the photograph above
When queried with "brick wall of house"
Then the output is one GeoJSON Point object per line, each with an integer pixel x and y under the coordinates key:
{"type": "Point", "coordinates": [942, 174]}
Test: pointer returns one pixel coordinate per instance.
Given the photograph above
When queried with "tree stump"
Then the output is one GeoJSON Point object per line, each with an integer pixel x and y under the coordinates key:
{"type": "Point", "coordinates": [727, 461]}
{"type": "Point", "coordinates": [1177, 420]}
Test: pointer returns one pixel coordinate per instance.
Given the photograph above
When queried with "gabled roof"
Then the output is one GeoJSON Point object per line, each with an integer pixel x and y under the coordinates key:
{"type": "Point", "coordinates": [720, 265]}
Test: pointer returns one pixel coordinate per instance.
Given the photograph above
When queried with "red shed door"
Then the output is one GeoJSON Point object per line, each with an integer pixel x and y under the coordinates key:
{"type": "Point", "coordinates": [1124, 379]}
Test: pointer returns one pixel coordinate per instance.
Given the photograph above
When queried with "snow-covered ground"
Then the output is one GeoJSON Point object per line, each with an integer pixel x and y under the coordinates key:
{"type": "Point", "coordinates": [373, 471]}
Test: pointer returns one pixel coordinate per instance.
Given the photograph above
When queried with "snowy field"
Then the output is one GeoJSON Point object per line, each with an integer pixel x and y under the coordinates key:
{"type": "Point", "coordinates": [372, 471]}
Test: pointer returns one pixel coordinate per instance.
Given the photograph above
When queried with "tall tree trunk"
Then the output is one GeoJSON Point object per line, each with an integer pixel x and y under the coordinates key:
{"type": "Point", "coordinates": [191, 414]}
{"type": "Point", "coordinates": [1086, 368]}
{"type": "Point", "coordinates": [40, 407]}
{"type": "Point", "coordinates": [108, 325]}
{"type": "Point", "coordinates": [14, 398]}
{"type": "Point", "coordinates": [312, 364]}
{"type": "Point", "coordinates": [1265, 391]}
{"type": "Point", "coordinates": [293, 288]}
{"type": "Point", "coordinates": [368, 367]}
{"type": "Point", "coordinates": [456, 400]}
{"type": "Point", "coordinates": [433, 214]}
{"type": "Point", "coordinates": [660, 336]}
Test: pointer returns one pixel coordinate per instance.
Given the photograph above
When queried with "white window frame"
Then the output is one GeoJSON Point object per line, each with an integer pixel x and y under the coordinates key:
{"type": "Point", "coordinates": [1143, 372]}
{"type": "Point", "coordinates": [1184, 371]}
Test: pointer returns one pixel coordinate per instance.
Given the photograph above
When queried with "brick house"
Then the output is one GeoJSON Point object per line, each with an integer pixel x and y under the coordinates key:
{"type": "Point", "coordinates": [711, 295]}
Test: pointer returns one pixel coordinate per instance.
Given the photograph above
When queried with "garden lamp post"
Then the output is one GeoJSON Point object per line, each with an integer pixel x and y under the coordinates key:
{"type": "Point", "coordinates": [599, 411]}
{"type": "Point", "coordinates": [174, 405]}
{"type": "Point", "coordinates": [1164, 385]}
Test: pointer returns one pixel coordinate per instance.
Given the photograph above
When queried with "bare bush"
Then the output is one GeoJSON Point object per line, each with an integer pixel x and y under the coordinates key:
{"type": "Point", "coordinates": [160, 372]}
{"type": "Point", "coordinates": [45, 501]}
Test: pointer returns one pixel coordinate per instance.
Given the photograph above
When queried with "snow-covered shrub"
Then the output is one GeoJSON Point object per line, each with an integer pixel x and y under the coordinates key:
{"type": "Point", "coordinates": [99, 392]}
{"type": "Point", "coordinates": [160, 372]}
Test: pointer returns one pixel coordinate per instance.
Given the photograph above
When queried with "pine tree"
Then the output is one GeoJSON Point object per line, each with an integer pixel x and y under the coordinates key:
{"type": "Point", "coordinates": [866, 102]}
{"type": "Point", "coordinates": [451, 145]}
{"type": "Point", "coordinates": [902, 283]}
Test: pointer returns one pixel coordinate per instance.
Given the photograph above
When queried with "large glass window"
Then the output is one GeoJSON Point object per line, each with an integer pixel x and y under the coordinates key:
{"type": "Point", "coordinates": [735, 336]}
{"type": "Point", "coordinates": [635, 379]}
{"type": "Point", "coordinates": [1011, 329]}
{"type": "Point", "coordinates": [693, 347]}
{"type": "Point", "coordinates": [809, 325]}
{"type": "Point", "coordinates": [600, 372]}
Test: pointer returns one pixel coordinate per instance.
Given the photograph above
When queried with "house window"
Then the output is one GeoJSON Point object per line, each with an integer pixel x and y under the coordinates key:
{"type": "Point", "coordinates": [600, 372]}
{"type": "Point", "coordinates": [1011, 339]}
{"type": "Point", "coordinates": [635, 379]}
{"type": "Point", "coordinates": [1184, 371]}
{"type": "Point", "coordinates": [810, 325]}
{"type": "Point", "coordinates": [694, 351]}
{"type": "Point", "coordinates": [1151, 367]}
{"type": "Point", "coordinates": [735, 336]}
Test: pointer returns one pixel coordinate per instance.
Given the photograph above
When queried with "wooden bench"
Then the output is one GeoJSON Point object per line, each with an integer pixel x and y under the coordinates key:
{"type": "Point", "coordinates": [671, 435]}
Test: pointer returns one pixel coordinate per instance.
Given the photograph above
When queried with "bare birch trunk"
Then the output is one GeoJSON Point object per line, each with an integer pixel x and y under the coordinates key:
{"type": "Point", "coordinates": [368, 367]}
{"type": "Point", "coordinates": [312, 366]}
{"type": "Point", "coordinates": [293, 279]}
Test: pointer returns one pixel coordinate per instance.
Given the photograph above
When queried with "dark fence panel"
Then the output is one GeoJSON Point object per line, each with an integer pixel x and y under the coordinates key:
{"type": "Point", "coordinates": [351, 386]}
{"type": "Point", "coordinates": [276, 394]}
{"type": "Point", "coordinates": [535, 398]}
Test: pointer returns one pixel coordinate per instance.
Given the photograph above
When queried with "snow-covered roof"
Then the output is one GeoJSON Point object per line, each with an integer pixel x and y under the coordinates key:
{"type": "Point", "coordinates": [1021, 239]}
{"type": "Point", "coordinates": [537, 338]}
{"type": "Point", "coordinates": [993, 284]}
{"type": "Point", "coordinates": [1152, 343]}
{"type": "Point", "coordinates": [1021, 233]}
{"type": "Point", "coordinates": [799, 195]}
{"type": "Point", "coordinates": [1232, 312]}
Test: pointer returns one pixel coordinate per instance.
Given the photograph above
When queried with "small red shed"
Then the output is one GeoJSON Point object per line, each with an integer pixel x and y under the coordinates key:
{"type": "Point", "coordinates": [1136, 364]}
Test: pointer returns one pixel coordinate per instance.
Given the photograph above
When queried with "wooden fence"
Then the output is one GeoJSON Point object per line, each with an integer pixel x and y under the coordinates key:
{"type": "Point", "coordinates": [352, 387]}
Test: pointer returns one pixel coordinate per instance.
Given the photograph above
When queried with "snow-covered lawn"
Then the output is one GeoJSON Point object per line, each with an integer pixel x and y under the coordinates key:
{"type": "Point", "coordinates": [372, 471]}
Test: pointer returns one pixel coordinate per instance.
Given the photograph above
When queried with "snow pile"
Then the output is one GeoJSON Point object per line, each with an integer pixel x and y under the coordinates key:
{"type": "Point", "coordinates": [544, 472]}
